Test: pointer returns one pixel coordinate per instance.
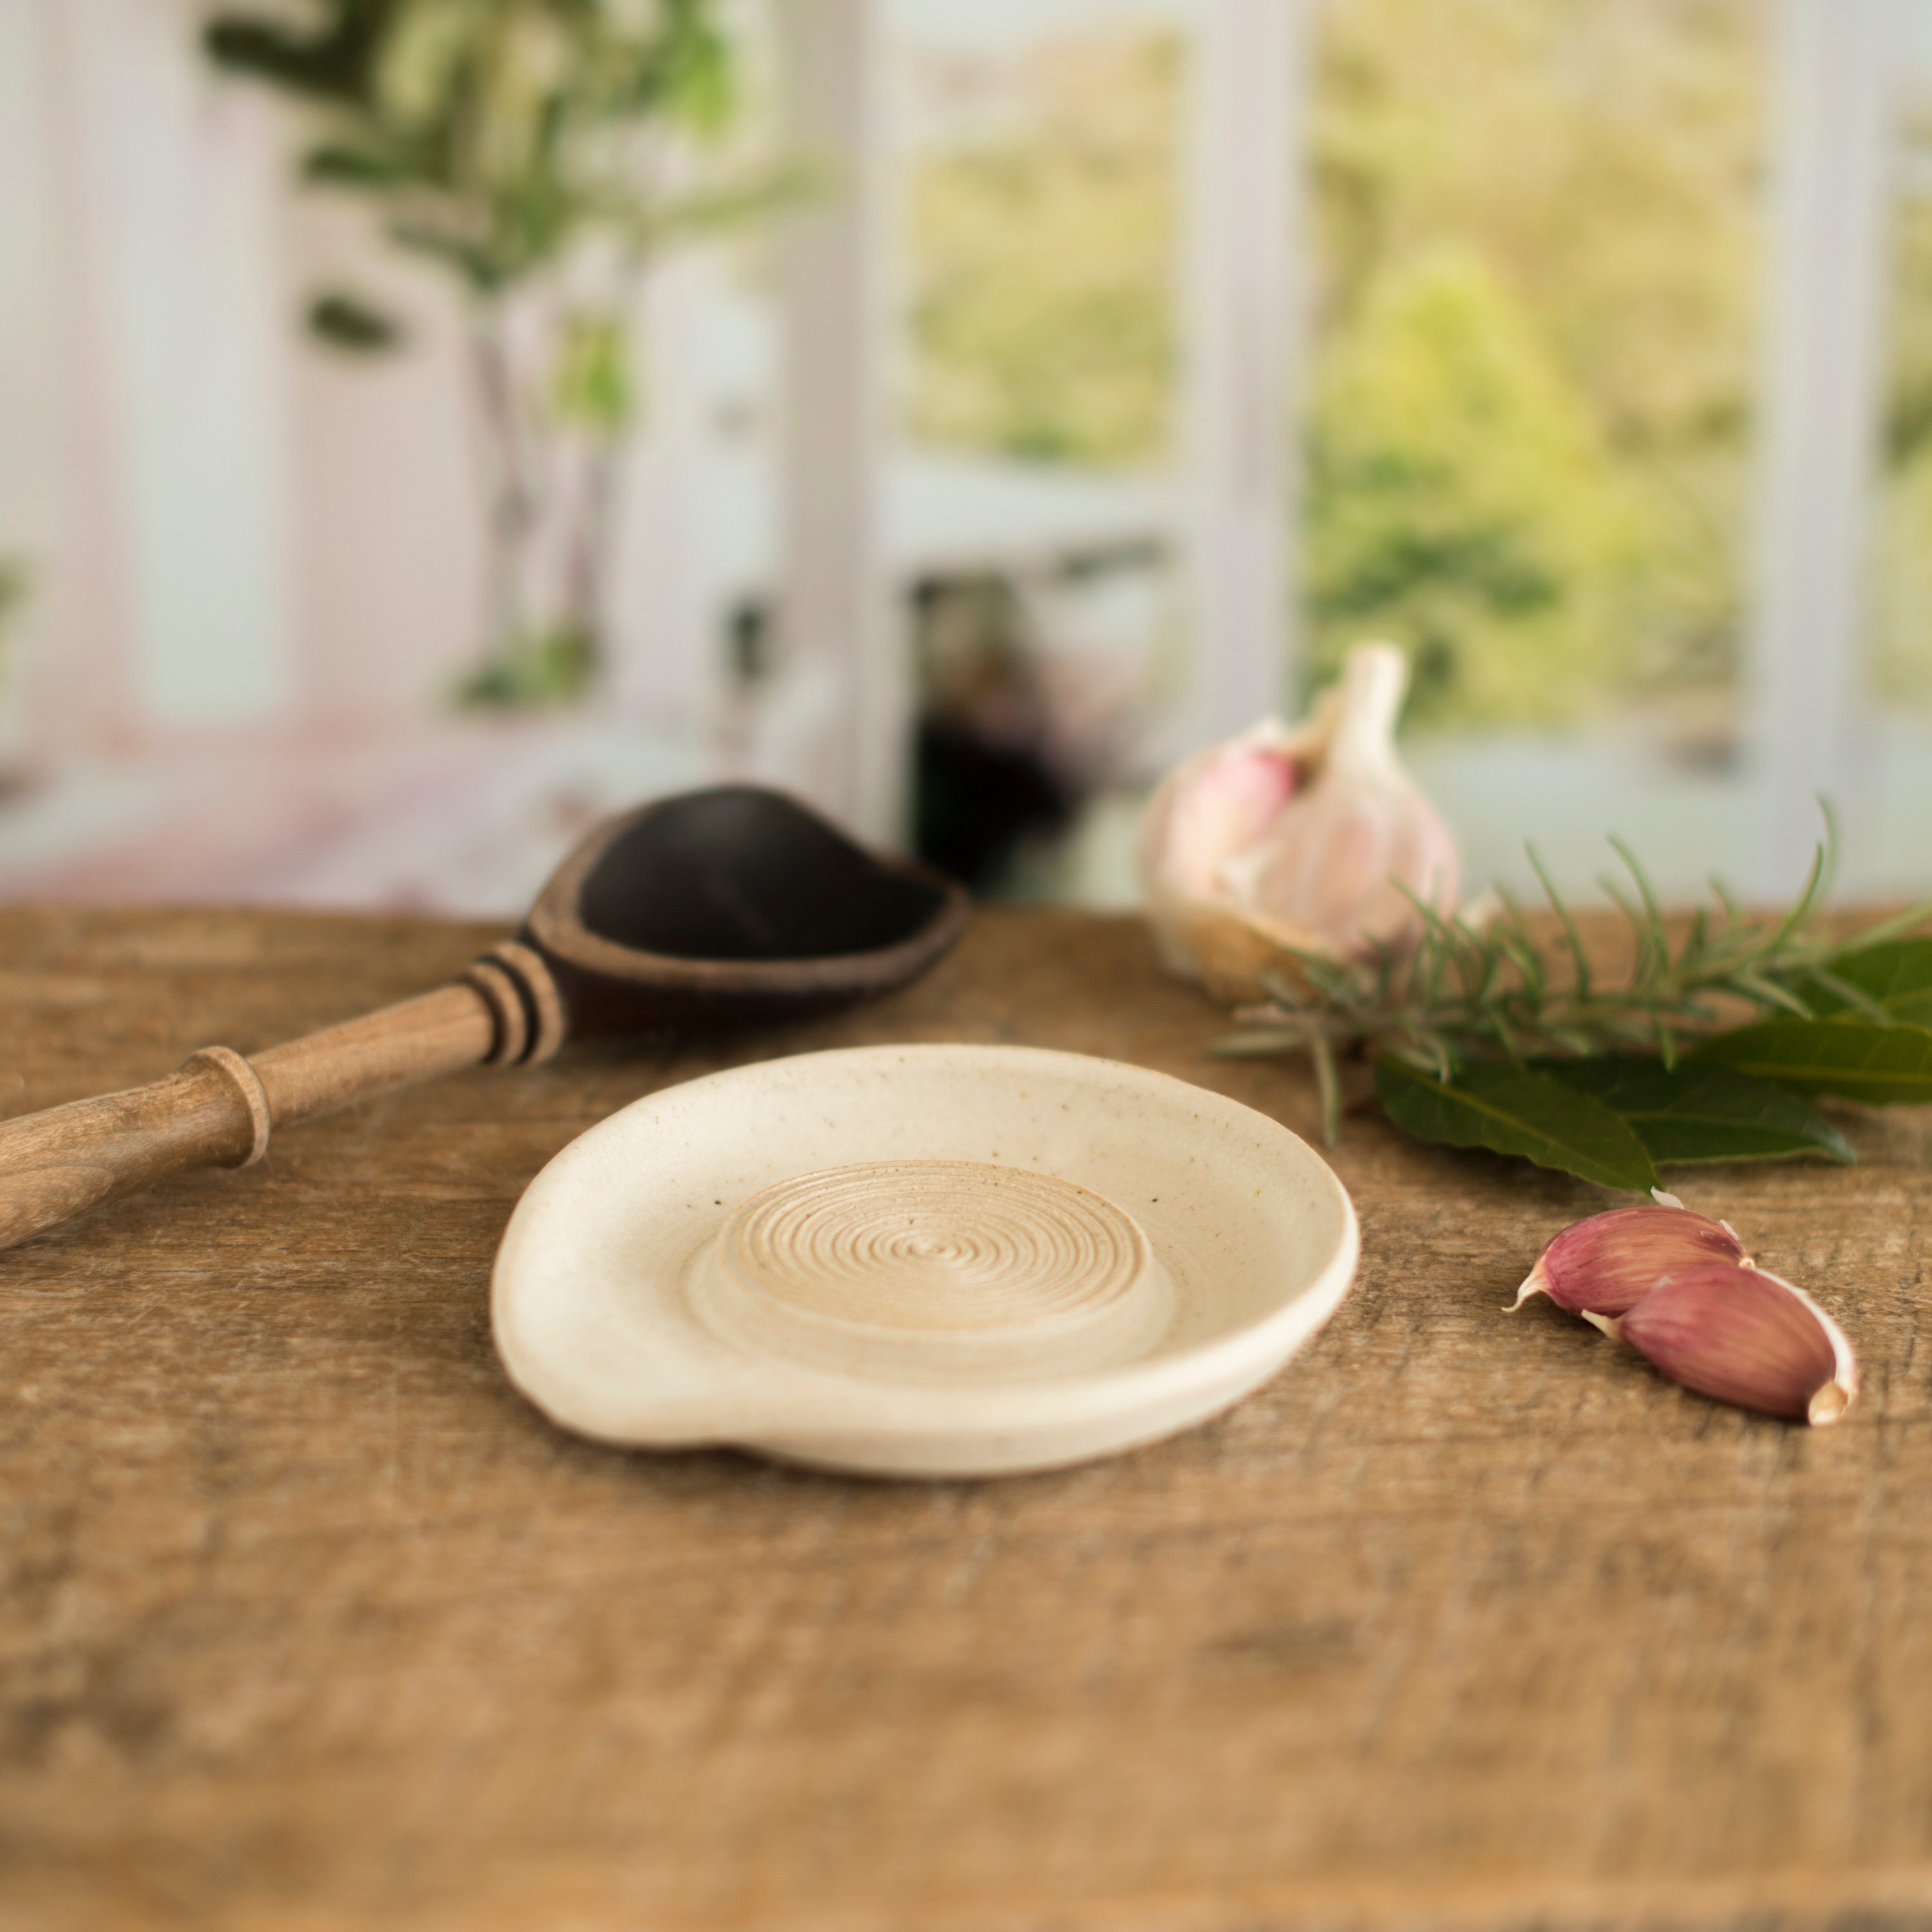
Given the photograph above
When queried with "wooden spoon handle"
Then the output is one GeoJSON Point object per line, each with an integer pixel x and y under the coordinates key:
{"type": "Point", "coordinates": [60, 1162]}
{"type": "Point", "coordinates": [219, 1109]}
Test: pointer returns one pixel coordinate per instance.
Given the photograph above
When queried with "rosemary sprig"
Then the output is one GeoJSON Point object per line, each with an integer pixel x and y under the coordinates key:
{"type": "Point", "coordinates": [1481, 988]}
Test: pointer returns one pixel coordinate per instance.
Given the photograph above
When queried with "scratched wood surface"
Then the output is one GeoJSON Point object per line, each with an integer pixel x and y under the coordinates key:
{"type": "Point", "coordinates": [308, 1622]}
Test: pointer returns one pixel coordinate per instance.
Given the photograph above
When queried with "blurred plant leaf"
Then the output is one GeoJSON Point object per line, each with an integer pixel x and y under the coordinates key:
{"type": "Point", "coordinates": [552, 668]}
{"type": "Point", "coordinates": [334, 63]}
{"type": "Point", "coordinates": [1516, 1110]}
{"type": "Point", "coordinates": [1895, 977]}
{"type": "Point", "coordinates": [500, 133]}
{"type": "Point", "coordinates": [345, 164]}
{"type": "Point", "coordinates": [485, 270]}
{"type": "Point", "coordinates": [1852, 1058]}
{"type": "Point", "coordinates": [1694, 1113]}
{"type": "Point", "coordinates": [15, 582]}
{"type": "Point", "coordinates": [693, 70]}
{"type": "Point", "coordinates": [550, 146]}
{"type": "Point", "coordinates": [592, 389]}
{"type": "Point", "coordinates": [345, 321]}
{"type": "Point", "coordinates": [728, 206]}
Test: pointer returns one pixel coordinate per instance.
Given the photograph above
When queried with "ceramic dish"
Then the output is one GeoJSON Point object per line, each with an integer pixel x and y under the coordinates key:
{"type": "Point", "coordinates": [919, 1260]}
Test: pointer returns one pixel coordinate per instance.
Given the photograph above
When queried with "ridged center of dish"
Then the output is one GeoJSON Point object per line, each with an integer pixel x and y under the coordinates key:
{"type": "Point", "coordinates": [936, 1268]}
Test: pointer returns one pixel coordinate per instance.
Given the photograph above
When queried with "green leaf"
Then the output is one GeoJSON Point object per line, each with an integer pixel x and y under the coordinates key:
{"type": "Point", "coordinates": [1853, 1058]}
{"type": "Point", "coordinates": [1520, 1111]}
{"type": "Point", "coordinates": [346, 321]}
{"type": "Point", "coordinates": [1702, 1112]}
{"type": "Point", "coordinates": [552, 667]}
{"type": "Point", "coordinates": [1260, 1043]}
{"type": "Point", "coordinates": [486, 270]}
{"type": "Point", "coordinates": [1896, 976]}
{"type": "Point", "coordinates": [332, 65]}
{"type": "Point", "coordinates": [342, 164]}
{"type": "Point", "coordinates": [591, 388]}
{"type": "Point", "coordinates": [14, 584]}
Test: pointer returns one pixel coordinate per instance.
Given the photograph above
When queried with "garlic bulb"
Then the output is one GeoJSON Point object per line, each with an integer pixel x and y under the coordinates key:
{"type": "Point", "coordinates": [1276, 841]}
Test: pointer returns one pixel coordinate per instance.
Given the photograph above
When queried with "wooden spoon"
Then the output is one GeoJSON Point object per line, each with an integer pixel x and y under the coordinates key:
{"type": "Point", "coordinates": [713, 907]}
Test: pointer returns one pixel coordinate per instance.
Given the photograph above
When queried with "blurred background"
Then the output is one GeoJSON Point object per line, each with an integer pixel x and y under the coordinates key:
{"type": "Point", "coordinates": [427, 424]}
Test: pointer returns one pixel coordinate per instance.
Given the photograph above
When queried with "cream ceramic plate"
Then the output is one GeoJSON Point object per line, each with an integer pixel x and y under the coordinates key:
{"type": "Point", "coordinates": [919, 1260]}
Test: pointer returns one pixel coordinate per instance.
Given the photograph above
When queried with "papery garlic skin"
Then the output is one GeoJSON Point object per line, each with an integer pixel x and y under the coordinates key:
{"type": "Point", "coordinates": [1745, 1336]}
{"type": "Point", "coordinates": [1279, 841]}
{"type": "Point", "coordinates": [1339, 852]}
{"type": "Point", "coordinates": [1214, 805]}
{"type": "Point", "coordinates": [1608, 1263]}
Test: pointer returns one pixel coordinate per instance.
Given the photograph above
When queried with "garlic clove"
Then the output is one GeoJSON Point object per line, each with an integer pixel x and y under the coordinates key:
{"type": "Point", "coordinates": [1339, 854]}
{"type": "Point", "coordinates": [1214, 805]}
{"type": "Point", "coordinates": [1209, 807]}
{"type": "Point", "coordinates": [1745, 1336]}
{"type": "Point", "coordinates": [1606, 1265]}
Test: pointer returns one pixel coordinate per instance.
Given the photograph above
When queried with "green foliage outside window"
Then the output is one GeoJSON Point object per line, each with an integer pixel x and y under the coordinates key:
{"type": "Point", "coordinates": [1462, 501]}
{"type": "Point", "coordinates": [538, 153]}
{"type": "Point", "coordinates": [495, 135]}
{"type": "Point", "coordinates": [13, 583]}
{"type": "Point", "coordinates": [1042, 309]}
{"type": "Point", "coordinates": [1604, 161]}
{"type": "Point", "coordinates": [1536, 224]}
{"type": "Point", "coordinates": [1901, 603]}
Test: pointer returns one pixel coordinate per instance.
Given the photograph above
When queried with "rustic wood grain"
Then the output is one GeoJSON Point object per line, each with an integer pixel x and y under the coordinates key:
{"type": "Point", "coordinates": [309, 1622]}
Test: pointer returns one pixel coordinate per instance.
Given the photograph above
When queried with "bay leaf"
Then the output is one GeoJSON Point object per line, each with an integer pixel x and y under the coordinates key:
{"type": "Point", "coordinates": [1857, 1059]}
{"type": "Point", "coordinates": [1897, 973]}
{"type": "Point", "coordinates": [1703, 1111]}
{"type": "Point", "coordinates": [1516, 1110]}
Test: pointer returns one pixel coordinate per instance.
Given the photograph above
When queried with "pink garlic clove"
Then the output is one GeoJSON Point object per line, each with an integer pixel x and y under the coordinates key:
{"type": "Point", "coordinates": [1745, 1336]}
{"type": "Point", "coordinates": [1337, 858]}
{"type": "Point", "coordinates": [1606, 1265]}
{"type": "Point", "coordinates": [1217, 804]}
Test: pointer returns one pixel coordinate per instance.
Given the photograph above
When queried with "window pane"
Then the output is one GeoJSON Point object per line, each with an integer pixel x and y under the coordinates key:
{"type": "Point", "coordinates": [1894, 794]}
{"type": "Point", "coordinates": [1044, 181]}
{"type": "Point", "coordinates": [1041, 177]}
{"type": "Point", "coordinates": [1901, 607]}
{"type": "Point", "coordinates": [1538, 226]}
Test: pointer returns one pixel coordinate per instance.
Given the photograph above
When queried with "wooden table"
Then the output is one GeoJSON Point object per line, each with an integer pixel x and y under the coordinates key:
{"type": "Point", "coordinates": [309, 1621]}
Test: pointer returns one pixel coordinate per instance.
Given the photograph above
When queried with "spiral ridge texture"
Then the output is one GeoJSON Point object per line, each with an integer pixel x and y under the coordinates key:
{"type": "Point", "coordinates": [934, 1270]}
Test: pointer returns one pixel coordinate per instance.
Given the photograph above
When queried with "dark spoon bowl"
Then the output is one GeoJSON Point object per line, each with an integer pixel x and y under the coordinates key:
{"type": "Point", "coordinates": [734, 905]}
{"type": "Point", "coordinates": [715, 908]}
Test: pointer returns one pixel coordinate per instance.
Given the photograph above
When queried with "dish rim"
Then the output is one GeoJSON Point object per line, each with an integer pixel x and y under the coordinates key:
{"type": "Point", "coordinates": [790, 1405]}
